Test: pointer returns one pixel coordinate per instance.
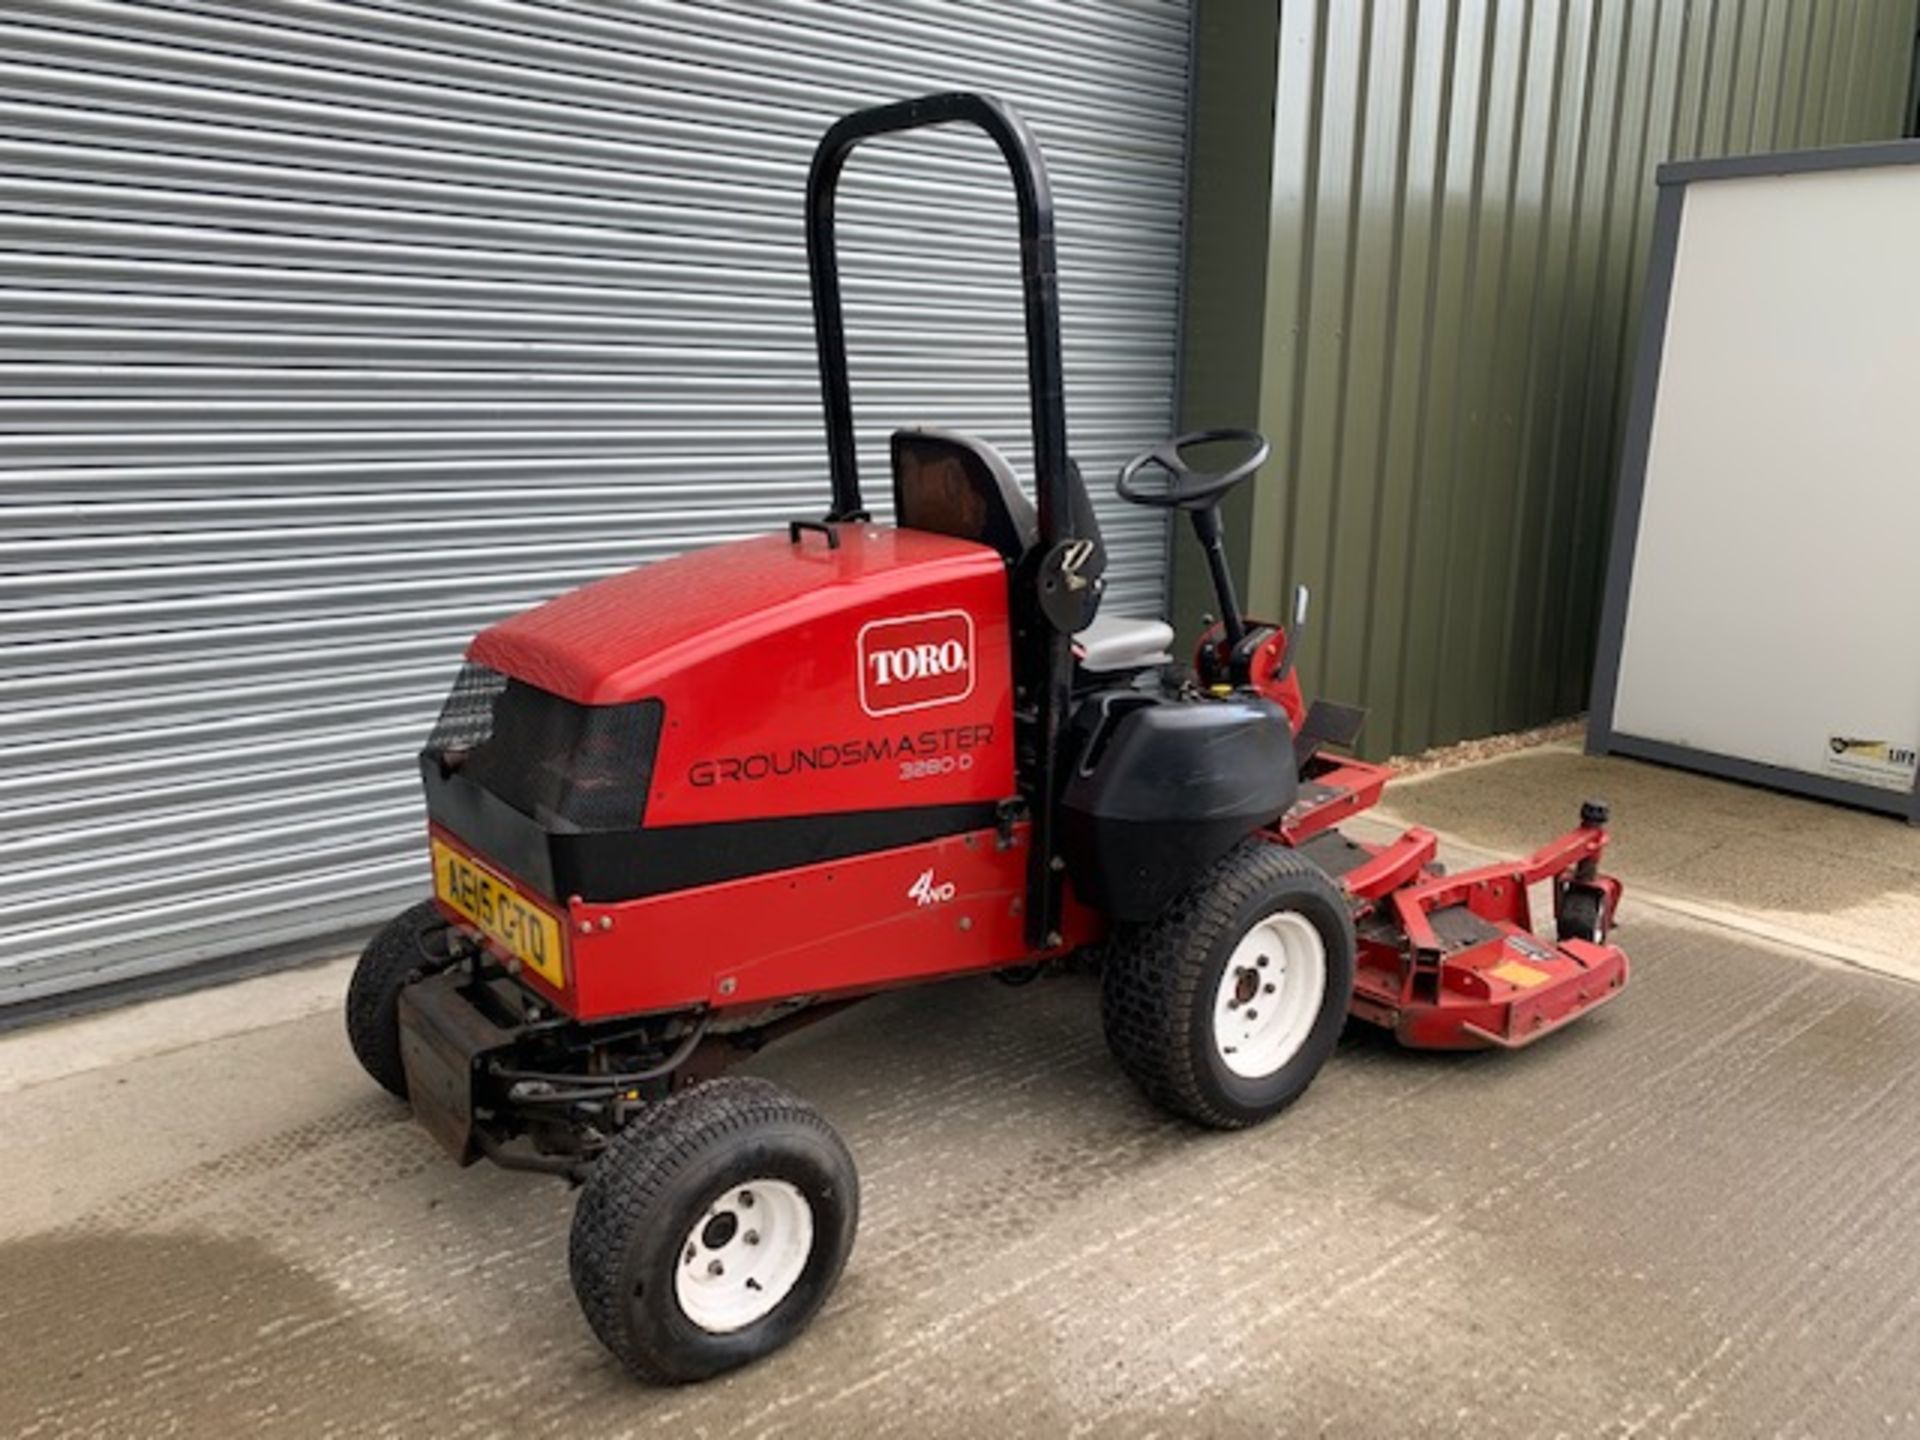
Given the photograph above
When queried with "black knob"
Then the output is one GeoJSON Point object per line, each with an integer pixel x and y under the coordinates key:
{"type": "Point", "coordinates": [1593, 814]}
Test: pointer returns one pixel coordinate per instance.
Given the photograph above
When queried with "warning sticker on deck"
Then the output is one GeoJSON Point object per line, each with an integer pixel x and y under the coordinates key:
{"type": "Point", "coordinates": [1523, 977]}
{"type": "Point", "coordinates": [1872, 762]}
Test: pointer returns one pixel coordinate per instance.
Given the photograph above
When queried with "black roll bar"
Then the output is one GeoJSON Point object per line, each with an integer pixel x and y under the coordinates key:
{"type": "Point", "coordinates": [1049, 657]}
{"type": "Point", "coordinates": [1038, 280]}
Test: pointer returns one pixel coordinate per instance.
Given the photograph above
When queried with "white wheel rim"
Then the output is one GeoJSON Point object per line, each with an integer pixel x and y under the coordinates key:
{"type": "Point", "coordinates": [1269, 995]}
{"type": "Point", "coordinates": [744, 1255]}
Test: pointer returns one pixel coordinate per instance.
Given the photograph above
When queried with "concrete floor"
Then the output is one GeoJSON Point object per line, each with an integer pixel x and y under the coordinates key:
{"type": "Point", "coordinates": [1692, 1214]}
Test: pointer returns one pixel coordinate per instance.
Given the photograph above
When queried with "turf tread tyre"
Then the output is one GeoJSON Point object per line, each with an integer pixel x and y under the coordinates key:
{"type": "Point", "coordinates": [1157, 985]}
{"type": "Point", "coordinates": [391, 961]}
{"type": "Point", "coordinates": [635, 1196]}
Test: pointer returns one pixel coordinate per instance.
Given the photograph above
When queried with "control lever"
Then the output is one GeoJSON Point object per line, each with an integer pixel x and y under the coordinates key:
{"type": "Point", "coordinates": [1296, 627]}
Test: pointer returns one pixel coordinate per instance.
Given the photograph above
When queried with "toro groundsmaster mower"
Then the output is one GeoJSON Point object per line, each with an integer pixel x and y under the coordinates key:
{"type": "Point", "coordinates": [684, 809]}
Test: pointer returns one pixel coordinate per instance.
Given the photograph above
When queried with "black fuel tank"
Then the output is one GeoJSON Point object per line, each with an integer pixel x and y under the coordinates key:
{"type": "Point", "coordinates": [1162, 787]}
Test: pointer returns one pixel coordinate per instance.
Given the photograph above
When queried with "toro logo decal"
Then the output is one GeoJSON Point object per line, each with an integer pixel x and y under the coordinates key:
{"type": "Point", "coordinates": [915, 661]}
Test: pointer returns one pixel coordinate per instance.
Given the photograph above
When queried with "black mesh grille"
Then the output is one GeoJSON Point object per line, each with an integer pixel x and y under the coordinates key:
{"type": "Point", "coordinates": [467, 718]}
{"type": "Point", "coordinates": [567, 766]}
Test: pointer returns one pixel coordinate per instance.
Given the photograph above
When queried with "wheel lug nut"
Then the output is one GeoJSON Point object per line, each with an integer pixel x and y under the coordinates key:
{"type": "Point", "coordinates": [1253, 1015]}
{"type": "Point", "coordinates": [1269, 990]}
{"type": "Point", "coordinates": [1263, 962]}
{"type": "Point", "coordinates": [752, 1237]}
{"type": "Point", "coordinates": [746, 1199]}
{"type": "Point", "coordinates": [714, 1267]}
{"type": "Point", "coordinates": [692, 1252]}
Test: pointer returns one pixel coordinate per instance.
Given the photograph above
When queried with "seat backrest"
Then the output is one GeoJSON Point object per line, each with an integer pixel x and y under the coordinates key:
{"type": "Point", "coordinates": [953, 484]}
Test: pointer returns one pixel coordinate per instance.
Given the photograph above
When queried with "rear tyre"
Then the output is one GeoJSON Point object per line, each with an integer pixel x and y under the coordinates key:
{"type": "Point", "coordinates": [1224, 1008]}
{"type": "Point", "coordinates": [401, 951]}
{"type": "Point", "coordinates": [711, 1230]}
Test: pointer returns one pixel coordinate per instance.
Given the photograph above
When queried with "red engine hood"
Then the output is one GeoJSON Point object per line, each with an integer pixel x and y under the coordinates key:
{"type": "Point", "coordinates": [619, 638]}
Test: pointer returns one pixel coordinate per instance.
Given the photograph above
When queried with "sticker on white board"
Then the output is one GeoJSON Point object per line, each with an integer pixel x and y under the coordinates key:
{"type": "Point", "coordinates": [1872, 762]}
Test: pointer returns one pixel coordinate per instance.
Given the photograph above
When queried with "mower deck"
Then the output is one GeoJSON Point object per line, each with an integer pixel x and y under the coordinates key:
{"type": "Point", "coordinates": [1451, 962]}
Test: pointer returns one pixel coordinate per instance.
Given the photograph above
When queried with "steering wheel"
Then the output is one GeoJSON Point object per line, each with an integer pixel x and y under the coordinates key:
{"type": "Point", "coordinates": [1187, 488]}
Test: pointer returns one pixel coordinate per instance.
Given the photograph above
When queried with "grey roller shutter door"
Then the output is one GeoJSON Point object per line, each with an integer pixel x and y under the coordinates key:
{"type": "Point", "coordinates": [331, 332]}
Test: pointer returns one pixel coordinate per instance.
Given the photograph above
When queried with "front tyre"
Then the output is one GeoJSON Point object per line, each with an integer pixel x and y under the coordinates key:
{"type": "Point", "coordinates": [1224, 1008]}
{"type": "Point", "coordinates": [712, 1229]}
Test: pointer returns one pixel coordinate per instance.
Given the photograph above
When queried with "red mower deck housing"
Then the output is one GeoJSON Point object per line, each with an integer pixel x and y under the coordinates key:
{"type": "Point", "coordinates": [1451, 962]}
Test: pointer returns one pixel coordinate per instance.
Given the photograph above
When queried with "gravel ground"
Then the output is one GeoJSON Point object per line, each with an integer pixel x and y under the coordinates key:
{"type": "Point", "coordinates": [1472, 752]}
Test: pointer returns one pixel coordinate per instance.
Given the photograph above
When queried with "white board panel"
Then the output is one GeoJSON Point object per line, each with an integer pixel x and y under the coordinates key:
{"type": "Point", "coordinates": [1774, 606]}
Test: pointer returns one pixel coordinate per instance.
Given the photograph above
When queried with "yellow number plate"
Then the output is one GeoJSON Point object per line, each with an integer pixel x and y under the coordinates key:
{"type": "Point", "coordinates": [520, 927]}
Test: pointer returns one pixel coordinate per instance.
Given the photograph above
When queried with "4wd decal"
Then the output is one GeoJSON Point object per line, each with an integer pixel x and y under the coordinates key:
{"type": "Point", "coordinates": [915, 661]}
{"type": "Point", "coordinates": [928, 891]}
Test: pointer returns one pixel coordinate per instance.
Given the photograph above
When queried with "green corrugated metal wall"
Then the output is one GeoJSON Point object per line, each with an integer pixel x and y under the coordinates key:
{"type": "Point", "coordinates": [1460, 203]}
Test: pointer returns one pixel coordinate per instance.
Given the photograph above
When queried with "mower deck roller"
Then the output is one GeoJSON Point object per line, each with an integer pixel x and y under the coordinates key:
{"type": "Point", "coordinates": [683, 810]}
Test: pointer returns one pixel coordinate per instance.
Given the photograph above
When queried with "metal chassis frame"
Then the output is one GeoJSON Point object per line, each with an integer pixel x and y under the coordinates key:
{"type": "Point", "coordinates": [465, 1090]}
{"type": "Point", "coordinates": [1602, 737]}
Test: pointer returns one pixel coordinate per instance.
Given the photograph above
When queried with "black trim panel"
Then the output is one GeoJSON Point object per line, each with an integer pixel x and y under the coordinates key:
{"type": "Point", "coordinates": [610, 866]}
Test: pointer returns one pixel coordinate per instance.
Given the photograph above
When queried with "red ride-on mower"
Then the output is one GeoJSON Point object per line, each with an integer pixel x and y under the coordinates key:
{"type": "Point", "coordinates": [682, 810]}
